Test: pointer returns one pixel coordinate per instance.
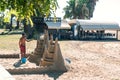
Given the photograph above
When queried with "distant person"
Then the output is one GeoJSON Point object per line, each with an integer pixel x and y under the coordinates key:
{"type": "Point", "coordinates": [22, 45]}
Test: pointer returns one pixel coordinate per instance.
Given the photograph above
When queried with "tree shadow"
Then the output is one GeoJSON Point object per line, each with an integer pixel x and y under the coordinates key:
{"type": "Point", "coordinates": [54, 75]}
{"type": "Point", "coordinates": [11, 32]}
{"type": "Point", "coordinates": [18, 63]}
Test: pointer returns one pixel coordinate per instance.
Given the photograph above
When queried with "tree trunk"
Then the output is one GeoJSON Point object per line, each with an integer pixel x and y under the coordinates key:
{"type": "Point", "coordinates": [27, 28]}
{"type": "Point", "coordinates": [18, 24]}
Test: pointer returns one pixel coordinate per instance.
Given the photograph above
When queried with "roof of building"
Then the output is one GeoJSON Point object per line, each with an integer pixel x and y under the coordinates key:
{"type": "Point", "coordinates": [73, 21]}
{"type": "Point", "coordinates": [58, 24]}
{"type": "Point", "coordinates": [96, 25]}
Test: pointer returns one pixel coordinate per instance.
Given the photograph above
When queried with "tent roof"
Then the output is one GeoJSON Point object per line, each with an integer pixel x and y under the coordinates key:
{"type": "Point", "coordinates": [96, 25]}
{"type": "Point", "coordinates": [58, 25]}
{"type": "Point", "coordinates": [73, 21]}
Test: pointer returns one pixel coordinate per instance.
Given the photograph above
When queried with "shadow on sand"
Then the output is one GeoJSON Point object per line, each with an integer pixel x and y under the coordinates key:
{"type": "Point", "coordinates": [54, 75]}
{"type": "Point", "coordinates": [18, 63]}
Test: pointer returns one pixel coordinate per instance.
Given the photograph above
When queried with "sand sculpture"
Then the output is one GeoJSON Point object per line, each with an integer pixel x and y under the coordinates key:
{"type": "Point", "coordinates": [48, 54]}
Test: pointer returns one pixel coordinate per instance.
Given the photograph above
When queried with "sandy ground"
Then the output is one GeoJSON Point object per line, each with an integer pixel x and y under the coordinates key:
{"type": "Point", "coordinates": [90, 60]}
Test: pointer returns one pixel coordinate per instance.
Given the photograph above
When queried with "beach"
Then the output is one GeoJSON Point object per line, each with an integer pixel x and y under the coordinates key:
{"type": "Point", "coordinates": [89, 60]}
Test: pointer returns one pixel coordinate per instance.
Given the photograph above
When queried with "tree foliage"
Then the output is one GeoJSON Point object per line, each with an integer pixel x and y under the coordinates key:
{"type": "Point", "coordinates": [74, 8]}
{"type": "Point", "coordinates": [26, 9]}
{"type": "Point", "coordinates": [30, 7]}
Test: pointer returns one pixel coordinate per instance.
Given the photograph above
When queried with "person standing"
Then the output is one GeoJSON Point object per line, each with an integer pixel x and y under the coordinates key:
{"type": "Point", "coordinates": [22, 45]}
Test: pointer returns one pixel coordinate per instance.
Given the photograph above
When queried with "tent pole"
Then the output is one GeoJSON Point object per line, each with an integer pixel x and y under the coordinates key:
{"type": "Point", "coordinates": [117, 34]}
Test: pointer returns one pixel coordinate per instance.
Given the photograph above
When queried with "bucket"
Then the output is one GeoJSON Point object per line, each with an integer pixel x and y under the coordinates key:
{"type": "Point", "coordinates": [23, 60]}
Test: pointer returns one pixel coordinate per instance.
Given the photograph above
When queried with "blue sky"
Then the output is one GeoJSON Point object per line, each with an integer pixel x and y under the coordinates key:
{"type": "Point", "coordinates": [107, 10]}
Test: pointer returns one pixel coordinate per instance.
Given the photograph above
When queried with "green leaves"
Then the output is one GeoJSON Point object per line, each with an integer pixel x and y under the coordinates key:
{"type": "Point", "coordinates": [74, 8]}
{"type": "Point", "coordinates": [29, 7]}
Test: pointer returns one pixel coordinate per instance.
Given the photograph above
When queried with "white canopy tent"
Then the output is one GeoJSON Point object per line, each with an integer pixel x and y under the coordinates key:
{"type": "Point", "coordinates": [97, 25]}
{"type": "Point", "coordinates": [57, 24]}
{"type": "Point", "coordinates": [82, 27]}
{"type": "Point", "coordinates": [58, 27]}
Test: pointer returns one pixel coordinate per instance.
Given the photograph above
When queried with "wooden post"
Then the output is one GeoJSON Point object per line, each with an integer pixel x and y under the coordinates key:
{"type": "Point", "coordinates": [58, 34]}
{"type": "Point", "coordinates": [117, 34]}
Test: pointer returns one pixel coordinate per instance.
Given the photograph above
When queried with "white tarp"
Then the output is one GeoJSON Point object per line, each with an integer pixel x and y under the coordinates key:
{"type": "Point", "coordinates": [97, 25]}
{"type": "Point", "coordinates": [58, 25]}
